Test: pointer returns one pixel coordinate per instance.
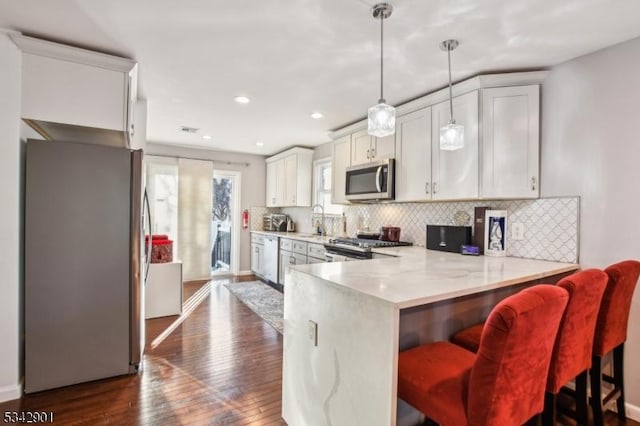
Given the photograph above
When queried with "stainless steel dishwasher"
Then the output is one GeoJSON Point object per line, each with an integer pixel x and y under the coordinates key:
{"type": "Point", "coordinates": [271, 258]}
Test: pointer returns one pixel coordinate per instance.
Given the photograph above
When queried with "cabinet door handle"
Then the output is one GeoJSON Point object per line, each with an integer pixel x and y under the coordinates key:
{"type": "Point", "coordinates": [292, 260]}
{"type": "Point", "coordinates": [373, 153]}
{"type": "Point", "coordinates": [426, 188]}
{"type": "Point", "coordinates": [435, 187]}
{"type": "Point", "coordinates": [368, 153]}
{"type": "Point", "coordinates": [533, 183]}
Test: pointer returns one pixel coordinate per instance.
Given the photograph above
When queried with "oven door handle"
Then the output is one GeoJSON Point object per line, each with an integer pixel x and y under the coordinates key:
{"type": "Point", "coordinates": [378, 175]}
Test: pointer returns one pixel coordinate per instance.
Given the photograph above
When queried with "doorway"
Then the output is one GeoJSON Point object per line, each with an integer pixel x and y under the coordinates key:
{"type": "Point", "coordinates": [225, 222]}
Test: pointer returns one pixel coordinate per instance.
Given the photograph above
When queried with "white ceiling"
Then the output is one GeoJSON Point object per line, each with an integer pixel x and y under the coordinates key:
{"type": "Point", "coordinates": [293, 57]}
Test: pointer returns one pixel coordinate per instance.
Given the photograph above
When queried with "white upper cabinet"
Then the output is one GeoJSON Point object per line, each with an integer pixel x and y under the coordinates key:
{"type": "Point", "coordinates": [341, 159]}
{"type": "Point", "coordinates": [455, 173]}
{"type": "Point", "coordinates": [272, 189]}
{"type": "Point", "coordinates": [413, 156]}
{"type": "Point", "coordinates": [65, 87]}
{"type": "Point", "coordinates": [500, 159]}
{"type": "Point", "coordinates": [289, 178]}
{"type": "Point", "coordinates": [510, 142]}
{"type": "Point", "coordinates": [366, 148]}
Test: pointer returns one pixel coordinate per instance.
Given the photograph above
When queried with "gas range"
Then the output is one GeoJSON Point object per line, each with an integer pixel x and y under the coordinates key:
{"type": "Point", "coordinates": [358, 248]}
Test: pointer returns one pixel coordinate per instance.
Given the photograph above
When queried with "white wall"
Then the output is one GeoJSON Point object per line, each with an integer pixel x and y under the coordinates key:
{"type": "Point", "coordinates": [10, 222]}
{"type": "Point", "coordinates": [591, 148]}
{"type": "Point", "coordinates": [253, 182]}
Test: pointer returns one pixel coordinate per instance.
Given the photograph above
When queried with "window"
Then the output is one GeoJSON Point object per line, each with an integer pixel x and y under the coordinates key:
{"type": "Point", "coordinates": [322, 186]}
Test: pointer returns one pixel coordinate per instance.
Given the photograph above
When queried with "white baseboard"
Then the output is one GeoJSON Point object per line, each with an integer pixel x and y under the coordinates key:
{"type": "Point", "coordinates": [240, 273]}
{"type": "Point", "coordinates": [633, 411]}
{"type": "Point", "coordinates": [8, 393]}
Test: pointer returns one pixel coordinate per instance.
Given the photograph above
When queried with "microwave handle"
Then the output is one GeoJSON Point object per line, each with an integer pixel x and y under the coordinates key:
{"type": "Point", "coordinates": [378, 175]}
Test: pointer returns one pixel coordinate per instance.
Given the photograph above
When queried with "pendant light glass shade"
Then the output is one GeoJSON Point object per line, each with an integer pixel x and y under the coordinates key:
{"type": "Point", "coordinates": [382, 120]}
{"type": "Point", "coordinates": [451, 135]}
{"type": "Point", "coordinates": [381, 117]}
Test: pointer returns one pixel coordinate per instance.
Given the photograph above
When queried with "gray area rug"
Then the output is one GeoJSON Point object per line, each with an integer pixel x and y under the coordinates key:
{"type": "Point", "coordinates": [265, 301]}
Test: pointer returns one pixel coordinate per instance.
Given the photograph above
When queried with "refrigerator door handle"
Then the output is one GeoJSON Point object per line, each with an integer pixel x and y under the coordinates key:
{"type": "Point", "coordinates": [148, 241]}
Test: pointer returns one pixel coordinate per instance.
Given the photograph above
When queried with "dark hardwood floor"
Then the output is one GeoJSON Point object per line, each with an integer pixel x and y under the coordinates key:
{"type": "Point", "coordinates": [218, 363]}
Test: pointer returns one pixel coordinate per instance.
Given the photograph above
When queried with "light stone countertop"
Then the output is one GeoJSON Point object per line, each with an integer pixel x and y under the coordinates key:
{"type": "Point", "coordinates": [301, 236]}
{"type": "Point", "coordinates": [418, 276]}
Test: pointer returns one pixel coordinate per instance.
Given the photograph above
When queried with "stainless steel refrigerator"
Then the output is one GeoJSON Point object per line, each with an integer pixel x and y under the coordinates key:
{"type": "Point", "coordinates": [84, 263]}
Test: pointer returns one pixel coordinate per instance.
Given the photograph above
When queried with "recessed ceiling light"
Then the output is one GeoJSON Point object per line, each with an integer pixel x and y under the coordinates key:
{"type": "Point", "coordinates": [260, 143]}
{"type": "Point", "coordinates": [207, 137]}
{"type": "Point", "coordinates": [242, 99]}
{"type": "Point", "coordinates": [317, 115]}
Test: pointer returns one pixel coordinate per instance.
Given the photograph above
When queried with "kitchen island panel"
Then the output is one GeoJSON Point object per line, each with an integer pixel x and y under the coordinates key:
{"type": "Point", "coordinates": [356, 345]}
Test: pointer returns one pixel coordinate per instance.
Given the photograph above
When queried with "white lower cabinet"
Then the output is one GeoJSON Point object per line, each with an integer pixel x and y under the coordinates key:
{"type": "Point", "coordinates": [288, 259]}
{"type": "Point", "coordinates": [454, 174]}
{"type": "Point", "coordinates": [257, 254]}
{"type": "Point", "coordinates": [257, 259]}
{"type": "Point", "coordinates": [510, 142]}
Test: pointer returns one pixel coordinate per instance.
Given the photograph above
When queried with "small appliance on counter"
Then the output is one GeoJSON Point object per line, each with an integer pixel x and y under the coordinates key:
{"type": "Point", "coordinates": [448, 238]}
{"type": "Point", "coordinates": [291, 226]}
{"type": "Point", "coordinates": [495, 239]}
{"type": "Point", "coordinates": [478, 228]}
{"type": "Point", "coordinates": [275, 222]}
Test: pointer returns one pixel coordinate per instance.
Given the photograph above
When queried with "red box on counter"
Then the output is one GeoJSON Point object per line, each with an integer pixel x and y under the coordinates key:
{"type": "Point", "coordinates": [161, 248]}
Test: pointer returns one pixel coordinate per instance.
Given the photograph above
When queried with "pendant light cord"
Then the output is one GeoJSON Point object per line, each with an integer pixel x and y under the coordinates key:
{"type": "Point", "coordinates": [381, 55]}
{"type": "Point", "coordinates": [451, 120]}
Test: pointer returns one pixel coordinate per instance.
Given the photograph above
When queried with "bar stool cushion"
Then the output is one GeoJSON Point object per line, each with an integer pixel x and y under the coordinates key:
{"type": "Point", "coordinates": [434, 378]}
{"type": "Point", "coordinates": [469, 338]}
{"type": "Point", "coordinates": [613, 318]}
{"type": "Point", "coordinates": [504, 383]}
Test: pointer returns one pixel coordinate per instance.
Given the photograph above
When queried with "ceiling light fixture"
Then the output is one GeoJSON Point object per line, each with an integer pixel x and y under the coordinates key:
{"type": "Point", "coordinates": [317, 115]}
{"type": "Point", "coordinates": [242, 99]}
{"type": "Point", "coordinates": [260, 143]}
{"type": "Point", "coordinates": [207, 137]}
{"type": "Point", "coordinates": [451, 135]}
{"type": "Point", "coordinates": [381, 117]}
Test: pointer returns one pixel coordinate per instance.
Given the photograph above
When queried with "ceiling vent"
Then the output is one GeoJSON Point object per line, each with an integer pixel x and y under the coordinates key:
{"type": "Point", "coordinates": [188, 129]}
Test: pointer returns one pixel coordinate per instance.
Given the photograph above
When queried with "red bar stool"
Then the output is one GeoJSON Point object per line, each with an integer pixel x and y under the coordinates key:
{"type": "Point", "coordinates": [504, 383]}
{"type": "Point", "coordinates": [573, 347]}
{"type": "Point", "coordinates": [611, 333]}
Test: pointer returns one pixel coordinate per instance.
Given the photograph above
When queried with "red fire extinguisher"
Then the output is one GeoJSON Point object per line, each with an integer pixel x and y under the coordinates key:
{"type": "Point", "coordinates": [245, 219]}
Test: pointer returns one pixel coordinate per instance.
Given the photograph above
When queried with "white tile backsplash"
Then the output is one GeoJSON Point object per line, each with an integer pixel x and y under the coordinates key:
{"type": "Point", "coordinates": [550, 224]}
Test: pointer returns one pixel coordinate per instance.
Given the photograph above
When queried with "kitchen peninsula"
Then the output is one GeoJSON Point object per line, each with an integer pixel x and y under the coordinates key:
{"type": "Point", "coordinates": [346, 322]}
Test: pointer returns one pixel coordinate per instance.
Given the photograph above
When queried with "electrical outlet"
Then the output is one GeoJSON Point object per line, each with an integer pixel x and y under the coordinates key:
{"type": "Point", "coordinates": [517, 231]}
{"type": "Point", "coordinates": [313, 332]}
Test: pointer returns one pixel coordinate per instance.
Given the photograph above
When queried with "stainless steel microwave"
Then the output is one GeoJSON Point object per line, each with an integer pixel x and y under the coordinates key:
{"type": "Point", "coordinates": [371, 181]}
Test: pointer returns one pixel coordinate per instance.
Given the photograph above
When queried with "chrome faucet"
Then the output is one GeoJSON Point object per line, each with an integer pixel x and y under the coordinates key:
{"type": "Point", "coordinates": [322, 228]}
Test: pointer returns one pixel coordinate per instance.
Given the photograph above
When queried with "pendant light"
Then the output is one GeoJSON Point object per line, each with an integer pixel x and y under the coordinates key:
{"type": "Point", "coordinates": [381, 117]}
{"type": "Point", "coordinates": [451, 135]}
